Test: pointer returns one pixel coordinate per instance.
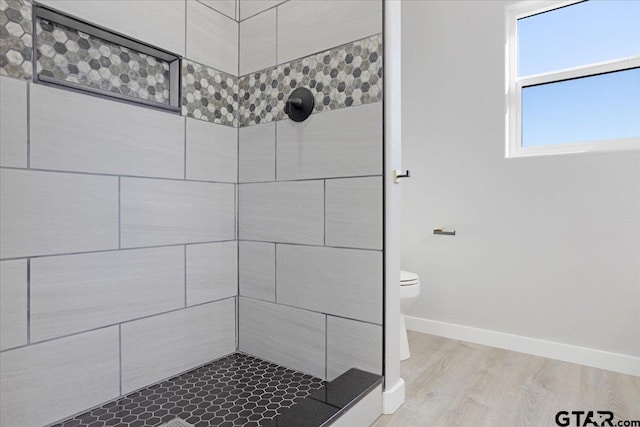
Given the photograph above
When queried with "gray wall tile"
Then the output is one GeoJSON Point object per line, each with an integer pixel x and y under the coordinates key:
{"type": "Point", "coordinates": [352, 344]}
{"type": "Point", "coordinates": [160, 212]}
{"type": "Point", "coordinates": [249, 8]}
{"type": "Point", "coordinates": [258, 153]}
{"type": "Point", "coordinates": [354, 212]}
{"type": "Point", "coordinates": [228, 7]}
{"type": "Point", "coordinates": [43, 383]}
{"type": "Point", "coordinates": [344, 282]}
{"type": "Point", "coordinates": [258, 270]}
{"type": "Point", "coordinates": [212, 272]}
{"type": "Point", "coordinates": [91, 134]}
{"type": "Point", "coordinates": [13, 123]}
{"type": "Point", "coordinates": [258, 42]}
{"type": "Point", "coordinates": [291, 212]}
{"type": "Point", "coordinates": [107, 288]}
{"type": "Point", "coordinates": [176, 342]}
{"type": "Point", "coordinates": [13, 303]}
{"type": "Point", "coordinates": [212, 38]}
{"type": "Point", "coordinates": [212, 151]}
{"type": "Point", "coordinates": [345, 142]}
{"type": "Point", "coordinates": [328, 24]}
{"type": "Point", "coordinates": [164, 29]}
{"type": "Point", "coordinates": [46, 213]}
{"type": "Point", "coordinates": [288, 336]}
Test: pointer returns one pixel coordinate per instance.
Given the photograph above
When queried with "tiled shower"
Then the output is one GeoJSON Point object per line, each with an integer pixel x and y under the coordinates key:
{"type": "Point", "coordinates": [141, 241]}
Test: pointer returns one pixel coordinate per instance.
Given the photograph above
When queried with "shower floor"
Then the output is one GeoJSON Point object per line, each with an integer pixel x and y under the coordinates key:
{"type": "Point", "coordinates": [237, 390]}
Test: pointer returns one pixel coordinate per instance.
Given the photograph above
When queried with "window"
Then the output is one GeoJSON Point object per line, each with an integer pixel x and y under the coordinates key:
{"type": "Point", "coordinates": [573, 76]}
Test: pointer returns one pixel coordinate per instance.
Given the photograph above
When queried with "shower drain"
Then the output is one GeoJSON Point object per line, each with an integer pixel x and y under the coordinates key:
{"type": "Point", "coordinates": [178, 422]}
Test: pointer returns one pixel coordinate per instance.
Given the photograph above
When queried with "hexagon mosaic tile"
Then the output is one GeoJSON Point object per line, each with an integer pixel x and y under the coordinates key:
{"type": "Point", "coordinates": [16, 44]}
{"type": "Point", "coordinates": [341, 77]}
{"type": "Point", "coordinates": [237, 390]}
{"type": "Point", "coordinates": [70, 55]}
{"type": "Point", "coordinates": [209, 94]}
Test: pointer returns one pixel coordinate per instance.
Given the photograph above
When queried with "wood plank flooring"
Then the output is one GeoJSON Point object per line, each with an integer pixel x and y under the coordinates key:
{"type": "Point", "coordinates": [455, 383]}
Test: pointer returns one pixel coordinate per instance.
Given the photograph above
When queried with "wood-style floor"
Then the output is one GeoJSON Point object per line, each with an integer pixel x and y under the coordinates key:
{"type": "Point", "coordinates": [455, 383]}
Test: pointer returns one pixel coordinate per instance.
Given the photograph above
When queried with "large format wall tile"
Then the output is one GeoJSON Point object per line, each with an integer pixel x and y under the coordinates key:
{"type": "Point", "coordinates": [164, 29]}
{"type": "Point", "coordinates": [291, 212]}
{"type": "Point", "coordinates": [257, 153]}
{"type": "Point", "coordinates": [212, 272]}
{"type": "Point", "coordinates": [354, 212]}
{"type": "Point", "coordinates": [212, 38]}
{"type": "Point", "coordinates": [13, 122]}
{"type": "Point", "coordinates": [258, 270]}
{"type": "Point", "coordinates": [96, 135]}
{"type": "Point", "coordinates": [327, 23]}
{"type": "Point", "coordinates": [212, 152]}
{"type": "Point", "coordinates": [176, 342]}
{"type": "Point", "coordinates": [341, 77]}
{"type": "Point", "coordinates": [344, 282]}
{"type": "Point", "coordinates": [161, 212]}
{"type": "Point", "coordinates": [249, 8]}
{"type": "Point", "coordinates": [345, 142]}
{"type": "Point", "coordinates": [105, 288]}
{"type": "Point", "coordinates": [258, 42]}
{"type": "Point", "coordinates": [46, 213]}
{"type": "Point", "coordinates": [352, 344]}
{"type": "Point", "coordinates": [227, 7]}
{"type": "Point", "coordinates": [45, 382]}
{"type": "Point", "coordinates": [13, 303]}
{"type": "Point", "coordinates": [288, 336]}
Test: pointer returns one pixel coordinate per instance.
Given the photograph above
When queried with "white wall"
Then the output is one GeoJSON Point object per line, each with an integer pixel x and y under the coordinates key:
{"type": "Point", "coordinates": [547, 247]}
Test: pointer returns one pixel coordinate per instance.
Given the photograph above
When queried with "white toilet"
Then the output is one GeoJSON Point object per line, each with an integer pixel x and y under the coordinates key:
{"type": "Point", "coordinates": [409, 291]}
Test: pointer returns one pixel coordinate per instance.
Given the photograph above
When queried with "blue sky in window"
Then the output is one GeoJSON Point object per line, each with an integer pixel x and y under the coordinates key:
{"type": "Point", "coordinates": [595, 108]}
{"type": "Point", "coordinates": [580, 34]}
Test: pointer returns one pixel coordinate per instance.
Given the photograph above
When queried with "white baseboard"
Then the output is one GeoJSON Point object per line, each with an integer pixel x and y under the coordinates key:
{"type": "Point", "coordinates": [393, 398]}
{"type": "Point", "coordinates": [552, 350]}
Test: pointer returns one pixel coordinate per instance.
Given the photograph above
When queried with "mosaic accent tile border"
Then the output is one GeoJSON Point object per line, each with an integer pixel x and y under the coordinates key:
{"type": "Point", "coordinates": [16, 44]}
{"type": "Point", "coordinates": [341, 77]}
{"type": "Point", "coordinates": [209, 94]}
{"type": "Point", "coordinates": [70, 55]}
{"type": "Point", "coordinates": [237, 390]}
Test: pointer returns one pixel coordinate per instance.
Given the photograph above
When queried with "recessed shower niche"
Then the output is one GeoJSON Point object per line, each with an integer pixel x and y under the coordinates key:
{"type": "Point", "coordinates": [82, 56]}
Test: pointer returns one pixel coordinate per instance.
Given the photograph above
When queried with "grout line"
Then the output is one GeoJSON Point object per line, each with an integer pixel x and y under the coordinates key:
{"type": "Point", "coordinates": [310, 245]}
{"type": "Point", "coordinates": [326, 346]}
{"type": "Point", "coordinates": [119, 249]}
{"type": "Point", "coordinates": [262, 11]}
{"type": "Point", "coordinates": [185, 148]}
{"type": "Point", "coordinates": [277, 29]}
{"type": "Point", "coordinates": [275, 272]}
{"type": "Point", "coordinates": [221, 13]}
{"type": "Point", "coordinates": [329, 49]}
{"type": "Point", "coordinates": [119, 213]}
{"type": "Point", "coordinates": [186, 23]}
{"type": "Point", "coordinates": [324, 212]}
{"type": "Point", "coordinates": [368, 322]}
{"type": "Point", "coordinates": [157, 178]}
{"type": "Point", "coordinates": [29, 125]}
{"type": "Point", "coordinates": [120, 354]}
{"type": "Point", "coordinates": [311, 179]}
{"type": "Point", "coordinates": [185, 276]}
{"type": "Point", "coordinates": [28, 301]}
{"type": "Point", "coordinates": [111, 325]}
{"type": "Point", "coordinates": [275, 153]}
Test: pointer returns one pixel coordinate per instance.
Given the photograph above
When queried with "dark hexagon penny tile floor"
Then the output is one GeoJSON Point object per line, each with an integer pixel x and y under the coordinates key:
{"type": "Point", "coordinates": [237, 390]}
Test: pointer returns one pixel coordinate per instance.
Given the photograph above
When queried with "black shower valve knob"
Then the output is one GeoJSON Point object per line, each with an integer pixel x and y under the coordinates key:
{"type": "Point", "coordinates": [300, 104]}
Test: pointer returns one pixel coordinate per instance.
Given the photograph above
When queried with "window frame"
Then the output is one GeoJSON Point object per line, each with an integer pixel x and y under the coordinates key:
{"type": "Point", "coordinates": [515, 85]}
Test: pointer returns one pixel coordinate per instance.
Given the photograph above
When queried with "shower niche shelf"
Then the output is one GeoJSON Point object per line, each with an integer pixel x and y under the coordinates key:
{"type": "Point", "coordinates": [85, 57]}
